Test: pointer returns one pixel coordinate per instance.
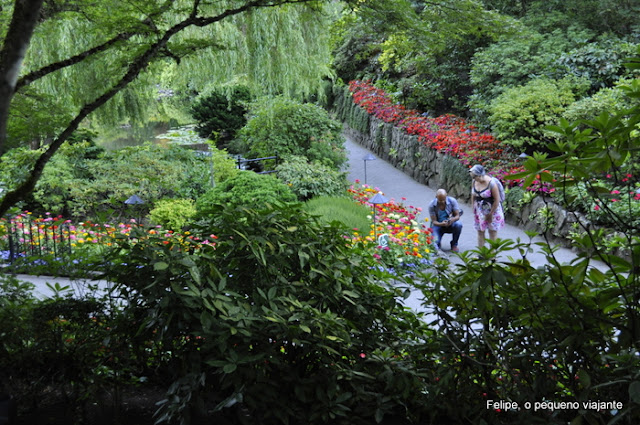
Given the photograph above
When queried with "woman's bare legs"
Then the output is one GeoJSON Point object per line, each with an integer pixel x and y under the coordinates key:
{"type": "Point", "coordinates": [493, 235]}
{"type": "Point", "coordinates": [480, 238]}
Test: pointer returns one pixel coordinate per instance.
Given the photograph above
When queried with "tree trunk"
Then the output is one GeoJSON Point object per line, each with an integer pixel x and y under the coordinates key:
{"type": "Point", "coordinates": [24, 20]}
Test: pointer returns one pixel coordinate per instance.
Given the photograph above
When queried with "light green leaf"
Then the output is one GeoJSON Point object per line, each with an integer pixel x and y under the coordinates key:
{"type": "Point", "coordinates": [305, 329]}
{"type": "Point", "coordinates": [160, 265]}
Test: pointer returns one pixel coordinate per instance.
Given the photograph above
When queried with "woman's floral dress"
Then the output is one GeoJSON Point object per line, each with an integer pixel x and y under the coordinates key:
{"type": "Point", "coordinates": [482, 206]}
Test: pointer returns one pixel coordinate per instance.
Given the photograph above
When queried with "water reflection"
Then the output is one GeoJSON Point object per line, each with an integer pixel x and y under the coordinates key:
{"type": "Point", "coordinates": [125, 136]}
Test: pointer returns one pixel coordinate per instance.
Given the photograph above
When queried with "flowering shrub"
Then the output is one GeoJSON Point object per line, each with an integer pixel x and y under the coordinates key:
{"type": "Point", "coordinates": [616, 204]}
{"type": "Point", "coordinates": [409, 242]}
{"type": "Point", "coordinates": [447, 134]}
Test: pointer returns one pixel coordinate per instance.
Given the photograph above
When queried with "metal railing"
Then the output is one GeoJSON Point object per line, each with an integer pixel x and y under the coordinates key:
{"type": "Point", "coordinates": [24, 235]}
{"type": "Point", "coordinates": [255, 164]}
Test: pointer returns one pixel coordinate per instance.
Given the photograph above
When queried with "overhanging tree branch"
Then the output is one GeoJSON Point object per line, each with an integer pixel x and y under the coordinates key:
{"type": "Point", "coordinates": [133, 71]}
{"type": "Point", "coordinates": [35, 75]}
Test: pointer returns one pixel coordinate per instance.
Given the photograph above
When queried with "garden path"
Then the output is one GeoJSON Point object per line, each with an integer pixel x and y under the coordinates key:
{"type": "Point", "coordinates": [397, 185]}
{"type": "Point", "coordinates": [394, 184]}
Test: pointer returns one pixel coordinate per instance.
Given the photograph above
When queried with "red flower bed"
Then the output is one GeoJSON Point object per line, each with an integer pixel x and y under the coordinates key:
{"type": "Point", "coordinates": [447, 134]}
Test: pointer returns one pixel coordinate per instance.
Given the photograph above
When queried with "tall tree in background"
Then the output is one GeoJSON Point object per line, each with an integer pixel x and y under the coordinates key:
{"type": "Point", "coordinates": [109, 46]}
{"type": "Point", "coordinates": [421, 48]}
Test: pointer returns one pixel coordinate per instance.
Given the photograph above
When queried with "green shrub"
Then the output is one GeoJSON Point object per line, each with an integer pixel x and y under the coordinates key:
{"type": "Point", "coordinates": [70, 164]}
{"type": "Point", "coordinates": [172, 214]}
{"type": "Point", "coordinates": [221, 114]}
{"type": "Point", "coordinates": [98, 187]}
{"type": "Point", "coordinates": [224, 166]}
{"type": "Point", "coordinates": [345, 210]}
{"type": "Point", "coordinates": [308, 180]}
{"type": "Point", "coordinates": [81, 347]}
{"type": "Point", "coordinates": [287, 128]}
{"type": "Point", "coordinates": [518, 116]}
{"type": "Point", "coordinates": [281, 320]}
{"type": "Point", "coordinates": [600, 62]}
{"type": "Point", "coordinates": [57, 342]}
{"type": "Point", "coordinates": [516, 60]}
{"type": "Point", "coordinates": [513, 61]}
{"type": "Point", "coordinates": [605, 100]}
{"type": "Point", "coordinates": [246, 189]}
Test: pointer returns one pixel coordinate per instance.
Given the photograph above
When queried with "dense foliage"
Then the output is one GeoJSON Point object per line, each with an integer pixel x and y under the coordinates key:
{"type": "Point", "coordinates": [172, 214]}
{"type": "Point", "coordinates": [472, 56]}
{"type": "Point", "coordinates": [563, 333]}
{"type": "Point", "coordinates": [520, 114]}
{"type": "Point", "coordinates": [247, 189]}
{"type": "Point", "coordinates": [260, 312]}
{"type": "Point", "coordinates": [309, 179]}
{"type": "Point", "coordinates": [285, 127]}
{"type": "Point", "coordinates": [220, 114]}
{"type": "Point", "coordinates": [418, 51]}
{"type": "Point", "coordinates": [77, 184]}
{"type": "Point", "coordinates": [63, 66]}
{"type": "Point", "coordinates": [279, 320]}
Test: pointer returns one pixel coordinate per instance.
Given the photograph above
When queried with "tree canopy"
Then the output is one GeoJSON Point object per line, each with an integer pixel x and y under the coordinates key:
{"type": "Point", "coordinates": [62, 62]}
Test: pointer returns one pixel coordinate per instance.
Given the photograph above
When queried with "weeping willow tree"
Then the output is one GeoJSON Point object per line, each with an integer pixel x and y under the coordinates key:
{"type": "Point", "coordinates": [63, 62]}
{"type": "Point", "coordinates": [275, 51]}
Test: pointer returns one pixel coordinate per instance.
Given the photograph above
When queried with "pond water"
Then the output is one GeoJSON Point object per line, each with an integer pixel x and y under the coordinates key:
{"type": "Point", "coordinates": [130, 135]}
{"type": "Point", "coordinates": [156, 132]}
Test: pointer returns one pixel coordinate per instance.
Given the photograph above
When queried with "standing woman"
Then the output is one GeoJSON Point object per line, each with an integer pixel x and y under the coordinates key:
{"type": "Point", "coordinates": [487, 208]}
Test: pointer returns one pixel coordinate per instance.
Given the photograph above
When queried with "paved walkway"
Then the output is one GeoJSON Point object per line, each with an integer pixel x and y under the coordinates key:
{"type": "Point", "coordinates": [395, 184]}
{"type": "Point", "coordinates": [48, 286]}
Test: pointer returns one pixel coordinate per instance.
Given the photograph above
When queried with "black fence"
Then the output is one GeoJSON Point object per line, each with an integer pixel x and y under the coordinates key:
{"type": "Point", "coordinates": [24, 236]}
{"type": "Point", "coordinates": [257, 164]}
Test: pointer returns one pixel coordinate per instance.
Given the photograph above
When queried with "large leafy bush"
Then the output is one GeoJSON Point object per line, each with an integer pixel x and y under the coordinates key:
{"type": "Point", "coordinates": [518, 116]}
{"type": "Point", "coordinates": [281, 321]}
{"type": "Point", "coordinates": [51, 343]}
{"type": "Point", "coordinates": [246, 189]}
{"type": "Point", "coordinates": [172, 214]}
{"type": "Point", "coordinates": [308, 179]}
{"type": "Point", "coordinates": [605, 100]}
{"type": "Point", "coordinates": [515, 60]}
{"type": "Point", "coordinates": [601, 62]}
{"type": "Point", "coordinates": [286, 127]}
